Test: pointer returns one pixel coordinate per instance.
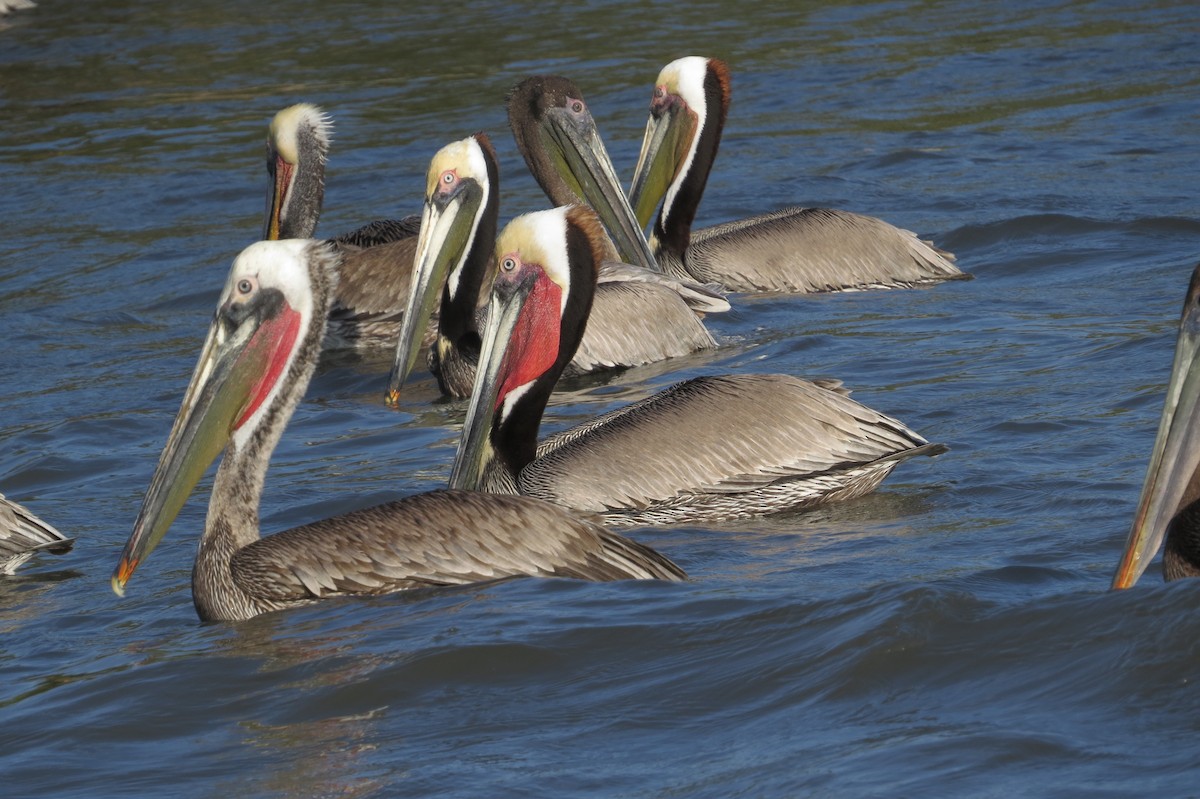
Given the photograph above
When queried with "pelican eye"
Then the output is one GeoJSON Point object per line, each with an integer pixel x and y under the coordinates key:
{"type": "Point", "coordinates": [448, 177]}
{"type": "Point", "coordinates": [245, 286]}
{"type": "Point", "coordinates": [577, 106]}
{"type": "Point", "coordinates": [508, 264]}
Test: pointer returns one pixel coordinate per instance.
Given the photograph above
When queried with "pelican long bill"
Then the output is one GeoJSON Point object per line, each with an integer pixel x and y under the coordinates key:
{"type": "Point", "coordinates": [1170, 478]}
{"type": "Point", "coordinates": [474, 447]}
{"type": "Point", "coordinates": [666, 146]}
{"type": "Point", "coordinates": [281, 175]}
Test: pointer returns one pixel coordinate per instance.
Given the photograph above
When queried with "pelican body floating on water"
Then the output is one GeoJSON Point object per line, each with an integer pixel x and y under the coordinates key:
{"type": "Point", "coordinates": [712, 447]}
{"type": "Point", "coordinates": [22, 535]}
{"type": "Point", "coordinates": [376, 259]}
{"type": "Point", "coordinates": [637, 317]}
{"type": "Point", "coordinates": [791, 250]}
{"type": "Point", "coordinates": [1169, 506]}
{"type": "Point", "coordinates": [257, 361]}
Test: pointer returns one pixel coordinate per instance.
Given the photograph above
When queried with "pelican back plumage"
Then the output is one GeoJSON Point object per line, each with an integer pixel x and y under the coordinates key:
{"type": "Point", "coordinates": [721, 447]}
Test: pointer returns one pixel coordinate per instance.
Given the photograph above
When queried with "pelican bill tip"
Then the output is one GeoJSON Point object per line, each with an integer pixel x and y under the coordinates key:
{"type": "Point", "coordinates": [121, 576]}
{"type": "Point", "coordinates": [1134, 562]}
{"type": "Point", "coordinates": [1124, 578]}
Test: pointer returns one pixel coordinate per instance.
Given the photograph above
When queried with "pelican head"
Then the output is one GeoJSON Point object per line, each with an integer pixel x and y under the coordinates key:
{"type": "Point", "coordinates": [558, 138]}
{"type": "Point", "coordinates": [546, 267]}
{"type": "Point", "coordinates": [297, 145]}
{"type": "Point", "coordinates": [272, 308]}
{"type": "Point", "coordinates": [1172, 482]}
{"type": "Point", "coordinates": [459, 215]}
{"type": "Point", "coordinates": [690, 97]}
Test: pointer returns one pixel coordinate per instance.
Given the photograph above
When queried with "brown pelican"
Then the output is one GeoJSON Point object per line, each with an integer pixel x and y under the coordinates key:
{"type": "Point", "coordinates": [376, 259]}
{"type": "Point", "coordinates": [22, 534]}
{"type": "Point", "coordinates": [561, 146]}
{"type": "Point", "coordinates": [711, 447]}
{"type": "Point", "coordinates": [1170, 503]}
{"type": "Point", "coordinates": [791, 250]}
{"type": "Point", "coordinates": [256, 363]}
{"type": "Point", "coordinates": [563, 150]}
{"type": "Point", "coordinates": [638, 316]}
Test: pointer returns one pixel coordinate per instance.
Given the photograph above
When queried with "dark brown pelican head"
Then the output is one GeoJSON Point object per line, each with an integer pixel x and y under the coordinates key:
{"type": "Point", "coordinates": [259, 355]}
{"type": "Point", "coordinates": [458, 229]}
{"type": "Point", "coordinates": [545, 278]}
{"type": "Point", "coordinates": [562, 148]}
{"type": "Point", "coordinates": [687, 115]}
{"type": "Point", "coordinates": [297, 145]}
{"type": "Point", "coordinates": [1168, 506]}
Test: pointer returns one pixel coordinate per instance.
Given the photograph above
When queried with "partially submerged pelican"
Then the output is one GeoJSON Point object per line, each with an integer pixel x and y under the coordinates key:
{"type": "Point", "coordinates": [638, 316]}
{"type": "Point", "coordinates": [376, 259]}
{"type": "Point", "coordinates": [22, 535]}
{"type": "Point", "coordinates": [1169, 506]}
{"type": "Point", "coordinates": [257, 361]}
{"type": "Point", "coordinates": [790, 250]}
{"type": "Point", "coordinates": [708, 448]}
